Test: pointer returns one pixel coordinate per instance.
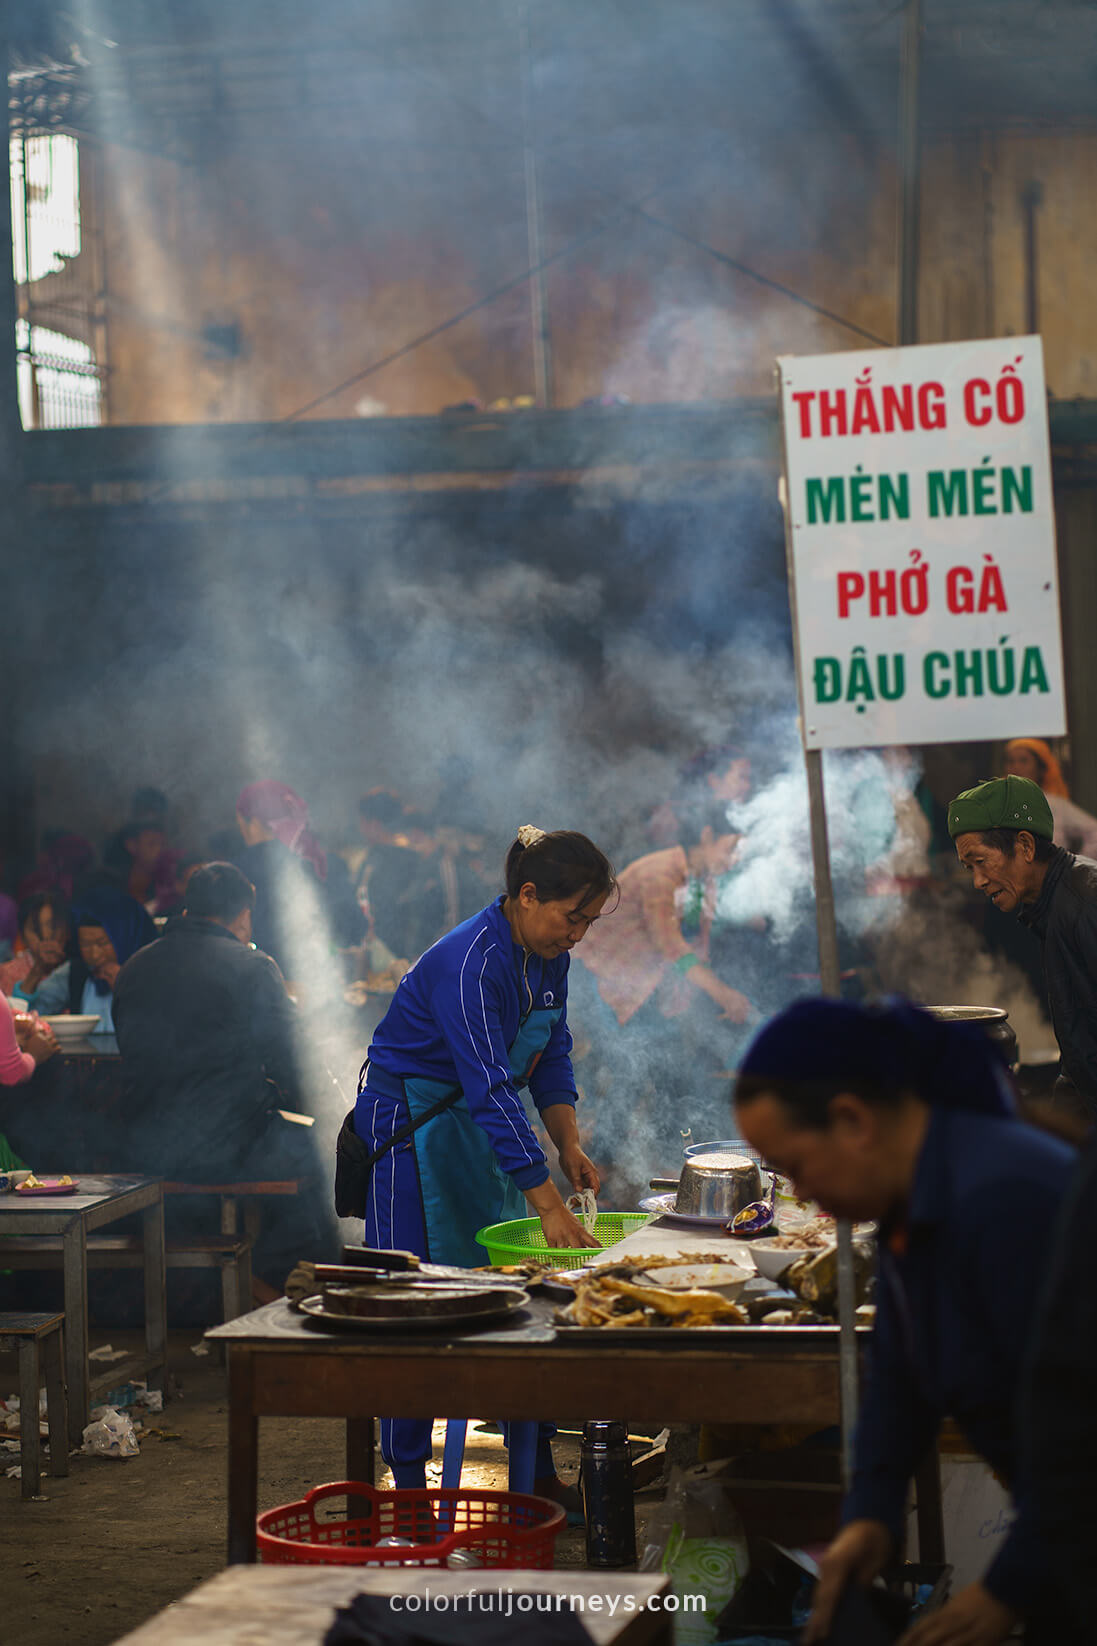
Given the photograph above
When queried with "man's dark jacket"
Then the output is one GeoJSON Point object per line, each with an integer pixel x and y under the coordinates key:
{"type": "Point", "coordinates": [1064, 918]}
{"type": "Point", "coordinates": [205, 1029]}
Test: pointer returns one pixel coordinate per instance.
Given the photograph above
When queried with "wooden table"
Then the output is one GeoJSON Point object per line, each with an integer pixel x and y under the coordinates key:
{"type": "Point", "coordinates": [295, 1606]}
{"type": "Point", "coordinates": [281, 1365]}
{"type": "Point", "coordinates": [97, 1202]}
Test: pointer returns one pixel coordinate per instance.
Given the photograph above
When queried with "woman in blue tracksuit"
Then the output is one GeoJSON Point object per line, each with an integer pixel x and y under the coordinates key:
{"type": "Point", "coordinates": [480, 1016]}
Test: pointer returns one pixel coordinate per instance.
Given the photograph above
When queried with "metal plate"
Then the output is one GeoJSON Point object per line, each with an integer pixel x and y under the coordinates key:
{"type": "Point", "coordinates": [505, 1304]}
{"type": "Point", "coordinates": [662, 1205]}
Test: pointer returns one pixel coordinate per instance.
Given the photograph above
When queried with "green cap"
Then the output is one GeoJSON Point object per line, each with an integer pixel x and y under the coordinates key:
{"type": "Point", "coordinates": [1003, 803]}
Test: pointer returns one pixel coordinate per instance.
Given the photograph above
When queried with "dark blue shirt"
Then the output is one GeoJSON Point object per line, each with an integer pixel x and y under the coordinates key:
{"type": "Point", "coordinates": [954, 1314]}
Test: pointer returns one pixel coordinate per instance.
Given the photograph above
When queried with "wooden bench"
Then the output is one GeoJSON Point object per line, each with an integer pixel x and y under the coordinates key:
{"type": "Point", "coordinates": [38, 1340]}
{"type": "Point", "coordinates": [238, 1201]}
{"type": "Point", "coordinates": [229, 1253]}
{"type": "Point", "coordinates": [227, 1249]}
{"type": "Point", "coordinates": [241, 1212]}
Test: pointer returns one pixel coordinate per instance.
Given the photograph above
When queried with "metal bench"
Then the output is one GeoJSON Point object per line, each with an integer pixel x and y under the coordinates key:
{"type": "Point", "coordinates": [38, 1340]}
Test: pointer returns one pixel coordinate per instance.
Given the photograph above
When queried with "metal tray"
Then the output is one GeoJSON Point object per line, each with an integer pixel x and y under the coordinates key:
{"type": "Point", "coordinates": [662, 1205]}
{"type": "Point", "coordinates": [489, 1310]}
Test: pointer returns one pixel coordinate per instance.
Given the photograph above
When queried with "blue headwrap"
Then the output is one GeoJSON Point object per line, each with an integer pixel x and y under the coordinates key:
{"type": "Point", "coordinates": [128, 925]}
{"type": "Point", "coordinates": [893, 1045]}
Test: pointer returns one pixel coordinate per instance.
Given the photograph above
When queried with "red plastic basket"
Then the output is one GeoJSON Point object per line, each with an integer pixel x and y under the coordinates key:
{"type": "Point", "coordinates": [507, 1529]}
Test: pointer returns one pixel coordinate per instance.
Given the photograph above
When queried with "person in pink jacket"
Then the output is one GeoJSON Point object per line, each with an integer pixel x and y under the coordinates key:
{"type": "Point", "coordinates": [22, 1046]}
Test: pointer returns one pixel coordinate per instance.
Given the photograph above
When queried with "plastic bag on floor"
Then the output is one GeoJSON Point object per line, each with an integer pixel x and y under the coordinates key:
{"type": "Point", "coordinates": [111, 1435]}
{"type": "Point", "coordinates": [697, 1538]}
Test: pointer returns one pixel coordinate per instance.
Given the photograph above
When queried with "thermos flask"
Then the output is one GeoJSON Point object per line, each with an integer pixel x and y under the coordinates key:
{"type": "Point", "coordinates": [606, 1474]}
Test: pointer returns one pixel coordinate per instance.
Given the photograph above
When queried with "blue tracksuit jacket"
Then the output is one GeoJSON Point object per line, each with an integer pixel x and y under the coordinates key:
{"type": "Point", "coordinates": [455, 1016]}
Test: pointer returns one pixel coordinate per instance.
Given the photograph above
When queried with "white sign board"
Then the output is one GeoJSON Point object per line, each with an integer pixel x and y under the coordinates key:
{"type": "Point", "coordinates": [922, 544]}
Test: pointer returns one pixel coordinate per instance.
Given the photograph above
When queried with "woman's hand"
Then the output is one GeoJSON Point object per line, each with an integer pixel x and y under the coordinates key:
{"type": "Point", "coordinates": [42, 1044]}
{"type": "Point", "coordinates": [972, 1618]}
{"type": "Point", "coordinates": [579, 1169]}
{"type": "Point", "coordinates": [557, 1223]}
{"type": "Point", "coordinates": [35, 1037]}
{"type": "Point", "coordinates": [560, 1228]}
{"type": "Point", "coordinates": [735, 1007]}
{"type": "Point", "coordinates": [858, 1554]}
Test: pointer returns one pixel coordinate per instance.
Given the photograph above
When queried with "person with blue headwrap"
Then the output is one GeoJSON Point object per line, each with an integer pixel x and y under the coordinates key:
{"type": "Point", "coordinates": [109, 927]}
{"type": "Point", "coordinates": [884, 1113]}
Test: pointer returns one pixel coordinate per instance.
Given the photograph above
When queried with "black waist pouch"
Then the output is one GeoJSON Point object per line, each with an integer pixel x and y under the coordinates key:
{"type": "Point", "coordinates": [354, 1162]}
{"type": "Point", "coordinates": [353, 1165]}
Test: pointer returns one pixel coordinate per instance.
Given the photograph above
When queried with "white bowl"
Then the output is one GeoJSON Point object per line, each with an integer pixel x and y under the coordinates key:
{"type": "Point", "coordinates": [73, 1026]}
{"type": "Point", "coordinates": [772, 1261]}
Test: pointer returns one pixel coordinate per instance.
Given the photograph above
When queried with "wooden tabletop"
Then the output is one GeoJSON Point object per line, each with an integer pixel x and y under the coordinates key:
{"type": "Point", "coordinates": [295, 1606]}
{"type": "Point", "coordinates": [95, 1192]}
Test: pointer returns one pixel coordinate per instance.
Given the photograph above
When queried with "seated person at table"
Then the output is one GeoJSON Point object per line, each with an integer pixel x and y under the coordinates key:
{"type": "Point", "coordinates": [207, 1036]}
{"type": "Point", "coordinates": [110, 926]}
{"type": "Point", "coordinates": [24, 1044]}
{"type": "Point", "coordinates": [44, 928]}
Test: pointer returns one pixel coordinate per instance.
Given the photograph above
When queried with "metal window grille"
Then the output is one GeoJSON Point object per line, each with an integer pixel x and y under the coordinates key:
{"type": "Point", "coordinates": [59, 333]}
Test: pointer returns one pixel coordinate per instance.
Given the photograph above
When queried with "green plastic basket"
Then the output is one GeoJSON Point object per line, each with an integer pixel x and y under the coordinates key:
{"type": "Point", "coordinates": [522, 1239]}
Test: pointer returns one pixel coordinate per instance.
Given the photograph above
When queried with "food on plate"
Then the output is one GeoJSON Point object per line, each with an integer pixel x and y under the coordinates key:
{"type": "Point", "coordinates": [815, 1278]}
{"type": "Point", "coordinates": [608, 1300]}
{"type": "Point", "coordinates": [621, 1294]}
{"type": "Point", "coordinates": [804, 1241]}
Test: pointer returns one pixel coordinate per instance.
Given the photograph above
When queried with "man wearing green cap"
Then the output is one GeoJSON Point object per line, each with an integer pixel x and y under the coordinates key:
{"type": "Point", "coordinates": [1003, 833]}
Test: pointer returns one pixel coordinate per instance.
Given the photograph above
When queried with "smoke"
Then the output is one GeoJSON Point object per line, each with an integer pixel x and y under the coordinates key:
{"type": "Point", "coordinates": [552, 649]}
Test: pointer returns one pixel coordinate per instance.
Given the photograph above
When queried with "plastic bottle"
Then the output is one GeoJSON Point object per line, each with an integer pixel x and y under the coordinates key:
{"type": "Point", "coordinates": [607, 1495]}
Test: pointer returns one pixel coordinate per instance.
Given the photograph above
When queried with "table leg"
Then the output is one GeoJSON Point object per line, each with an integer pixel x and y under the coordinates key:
{"type": "Point", "coordinates": [928, 1511]}
{"type": "Point", "coordinates": [156, 1305]}
{"type": "Point", "coordinates": [56, 1401]}
{"type": "Point", "coordinates": [360, 1439]}
{"type": "Point", "coordinates": [75, 1265]}
{"type": "Point", "coordinates": [243, 1459]}
{"type": "Point", "coordinates": [30, 1446]}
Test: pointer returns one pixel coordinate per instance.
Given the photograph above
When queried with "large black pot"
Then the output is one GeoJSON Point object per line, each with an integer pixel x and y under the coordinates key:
{"type": "Point", "coordinates": [993, 1020]}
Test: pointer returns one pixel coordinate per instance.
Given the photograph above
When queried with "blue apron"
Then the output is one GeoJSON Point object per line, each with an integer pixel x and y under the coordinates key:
{"type": "Point", "coordinates": [461, 1186]}
{"type": "Point", "coordinates": [431, 1193]}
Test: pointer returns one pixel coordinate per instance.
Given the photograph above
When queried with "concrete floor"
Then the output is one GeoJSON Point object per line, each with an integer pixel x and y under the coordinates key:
{"type": "Point", "coordinates": [118, 1539]}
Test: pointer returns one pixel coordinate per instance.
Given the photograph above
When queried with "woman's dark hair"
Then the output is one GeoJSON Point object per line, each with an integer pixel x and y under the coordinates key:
{"type": "Point", "coordinates": [30, 910]}
{"type": "Point", "coordinates": [1005, 840]}
{"type": "Point", "coordinates": [808, 1101]}
{"type": "Point", "coordinates": [560, 865]}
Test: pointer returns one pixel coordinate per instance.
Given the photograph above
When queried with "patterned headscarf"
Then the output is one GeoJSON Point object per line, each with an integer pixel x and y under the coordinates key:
{"type": "Point", "coordinates": [286, 815]}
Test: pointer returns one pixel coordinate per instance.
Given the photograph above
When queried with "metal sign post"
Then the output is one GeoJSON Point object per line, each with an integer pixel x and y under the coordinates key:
{"type": "Point", "coordinates": [826, 925]}
{"type": "Point", "coordinates": [830, 977]}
